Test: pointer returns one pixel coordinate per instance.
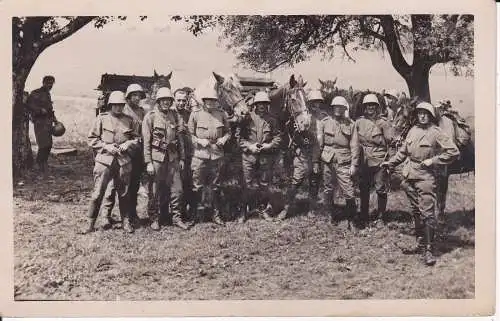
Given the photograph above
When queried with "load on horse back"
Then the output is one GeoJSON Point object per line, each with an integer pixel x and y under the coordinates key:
{"type": "Point", "coordinates": [354, 97]}
{"type": "Point", "coordinates": [405, 119]}
{"type": "Point", "coordinates": [112, 82]}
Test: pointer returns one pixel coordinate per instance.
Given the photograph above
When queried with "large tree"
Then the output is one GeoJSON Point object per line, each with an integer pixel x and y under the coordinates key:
{"type": "Point", "coordinates": [30, 37]}
{"type": "Point", "coordinates": [414, 43]}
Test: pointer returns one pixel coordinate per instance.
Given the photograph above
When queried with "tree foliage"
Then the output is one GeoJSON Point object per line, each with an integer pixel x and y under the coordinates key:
{"type": "Point", "coordinates": [414, 43]}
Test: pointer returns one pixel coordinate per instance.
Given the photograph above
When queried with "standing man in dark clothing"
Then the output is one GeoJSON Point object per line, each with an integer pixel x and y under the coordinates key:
{"type": "Point", "coordinates": [42, 115]}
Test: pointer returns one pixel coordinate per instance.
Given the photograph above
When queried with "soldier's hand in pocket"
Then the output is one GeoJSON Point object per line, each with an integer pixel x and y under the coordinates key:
{"type": "Point", "coordinates": [150, 169]}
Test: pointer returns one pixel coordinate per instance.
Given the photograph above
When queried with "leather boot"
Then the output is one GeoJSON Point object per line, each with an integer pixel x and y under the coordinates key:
{"type": "Point", "coordinates": [155, 225]}
{"type": "Point", "coordinates": [354, 220]}
{"type": "Point", "coordinates": [266, 213]}
{"type": "Point", "coordinates": [177, 221]}
{"type": "Point", "coordinates": [217, 218]}
{"type": "Point", "coordinates": [381, 209]}
{"type": "Point", "coordinates": [127, 227]}
{"type": "Point", "coordinates": [364, 207]}
{"type": "Point", "coordinates": [90, 226]}
{"type": "Point", "coordinates": [290, 201]}
{"type": "Point", "coordinates": [242, 216]}
{"type": "Point", "coordinates": [429, 258]}
{"type": "Point", "coordinates": [196, 210]}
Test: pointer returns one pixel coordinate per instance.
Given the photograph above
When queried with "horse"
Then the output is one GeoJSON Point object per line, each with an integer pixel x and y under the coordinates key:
{"type": "Point", "coordinates": [159, 81]}
{"type": "Point", "coordinates": [293, 118]}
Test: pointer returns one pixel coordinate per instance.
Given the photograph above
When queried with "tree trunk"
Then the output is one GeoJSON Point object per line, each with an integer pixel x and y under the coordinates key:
{"type": "Point", "coordinates": [22, 157]}
{"type": "Point", "coordinates": [418, 82]}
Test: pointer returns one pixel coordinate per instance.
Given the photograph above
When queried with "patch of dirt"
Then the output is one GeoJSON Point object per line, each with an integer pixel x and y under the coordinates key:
{"type": "Point", "coordinates": [301, 258]}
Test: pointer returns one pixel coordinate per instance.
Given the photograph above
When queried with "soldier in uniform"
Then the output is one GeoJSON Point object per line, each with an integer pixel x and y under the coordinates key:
{"type": "Point", "coordinates": [374, 134]}
{"type": "Point", "coordinates": [391, 99]}
{"type": "Point", "coordinates": [306, 159]}
{"type": "Point", "coordinates": [42, 115]}
{"type": "Point", "coordinates": [134, 95]}
{"type": "Point", "coordinates": [164, 156]}
{"type": "Point", "coordinates": [425, 147]}
{"type": "Point", "coordinates": [259, 139]}
{"type": "Point", "coordinates": [112, 137]}
{"type": "Point", "coordinates": [209, 129]}
{"type": "Point", "coordinates": [184, 111]}
{"type": "Point", "coordinates": [339, 145]}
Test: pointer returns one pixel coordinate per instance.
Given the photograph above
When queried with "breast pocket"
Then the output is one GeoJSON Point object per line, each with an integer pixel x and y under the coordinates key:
{"type": "Point", "coordinates": [108, 135]}
{"type": "Point", "coordinates": [425, 149]}
{"type": "Point", "coordinates": [329, 136]}
{"type": "Point", "coordinates": [346, 130]}
{"type": "Point", "coordinates": [202, 131]}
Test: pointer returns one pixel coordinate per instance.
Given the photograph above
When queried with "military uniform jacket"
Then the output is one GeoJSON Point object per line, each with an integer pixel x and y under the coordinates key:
{"type": "Point", "coordinates": [338, 141]}
{"type": "Point", "coordinates": [39, 100]}
{"type": "Point", "coordinates": [160, 132]}
{"type": "Point", "coordinates": [259, 130]}
{"type": "Point", "coordinates": [374, 137]}
{"type": "Point", "coordinates": [184, 134]}
{"type": "Point", "coordinates": [113, 129]}
{"type": "Point", "coordinates": [211, 125]}
{"type": "Point", "coordinates": [136, 113]}
{"type": "Point", "coordinates": [424, 143]}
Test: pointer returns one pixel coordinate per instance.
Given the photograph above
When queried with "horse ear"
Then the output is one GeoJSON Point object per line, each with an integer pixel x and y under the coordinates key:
{"type": "Point", "coordinates": [304, 84]}
{"type": "Point", "coordinates": [335, 81]}
{"type": "Point", "coordinates": [218, 77]}
{"type": "Point", "coordinates": [169, 76]}
{"type": "Point", "coordinates": [155, 74]}
{"type": "Point", "coordinates": [292, 81]}
{"type": "Point", "coordinates": [321, 82]}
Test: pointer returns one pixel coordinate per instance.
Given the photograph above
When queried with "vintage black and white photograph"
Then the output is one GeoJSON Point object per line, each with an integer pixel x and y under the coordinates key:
{"type": "Point", "coordinates": [244, 157]}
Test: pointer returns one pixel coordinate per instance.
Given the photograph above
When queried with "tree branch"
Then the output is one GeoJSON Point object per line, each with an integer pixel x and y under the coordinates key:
{"type": "Point", "coordinates": [64, 32]}
{"type": "Point", "coordinates": [369, 31]}
{"type": "Point", "coordinates": [391, 42]}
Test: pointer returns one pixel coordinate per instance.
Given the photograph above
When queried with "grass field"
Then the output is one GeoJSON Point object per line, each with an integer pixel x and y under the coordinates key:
{"type": "Point", "coordinates": [302, 258]}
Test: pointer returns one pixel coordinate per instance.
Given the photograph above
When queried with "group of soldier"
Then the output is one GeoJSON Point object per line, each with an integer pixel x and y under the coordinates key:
{"type": "Point", "coordinates": [179, 148]}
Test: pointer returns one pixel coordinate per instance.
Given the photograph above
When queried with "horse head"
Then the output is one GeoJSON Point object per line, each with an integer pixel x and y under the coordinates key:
{"type": "Point", "coordinates": [158, 82]}
{"type": "Point", "coordinates": [296, 103]}
{"type": "Point", "coordinates": [229, 92]}
{"type": "Point", "coordinates": [328, 89]}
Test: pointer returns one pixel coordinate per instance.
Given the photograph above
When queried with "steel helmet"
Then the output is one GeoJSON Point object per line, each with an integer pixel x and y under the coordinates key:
{"type": "Point", "coordinates": [132, 88]}
{"type": "Point", "coordinates": [340, 101]}
{"type": "Point", "coordinates": [164, 92]}
{"type": "Point", "coordinates": [207, 93]}
{"type": "Point", "coordinates": [116, 97]}
{"type": "Point", "coordinates": [315, 95]}
{"type": "Point", "coordinates": [261, 97]}
{"type": "Point", "coordinates": [392, 92]}
{"type": "Point", "coordinates": [427, 106]}
{"type": "Point", "coordinates": [58, 129]}
{"type": "Point", "coordinates": [371, 99]}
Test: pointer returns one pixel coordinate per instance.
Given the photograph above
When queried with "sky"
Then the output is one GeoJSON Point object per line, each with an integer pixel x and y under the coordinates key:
{"type": "Point", "coordinates": [134, 47]}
